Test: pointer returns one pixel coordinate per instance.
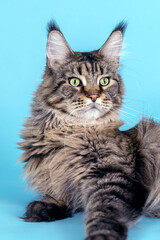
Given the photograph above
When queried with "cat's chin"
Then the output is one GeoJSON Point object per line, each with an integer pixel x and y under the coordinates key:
{"type": "Point", "coordinates": [89, 115]}
{"type": "Point", "coordinates": [93, 114]}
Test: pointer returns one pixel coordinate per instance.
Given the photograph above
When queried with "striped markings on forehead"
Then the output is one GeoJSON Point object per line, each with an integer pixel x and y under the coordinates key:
{"type": "Point", "coordinates": [89, 68]}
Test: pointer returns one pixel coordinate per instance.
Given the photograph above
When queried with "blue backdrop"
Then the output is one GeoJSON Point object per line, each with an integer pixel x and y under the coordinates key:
{"type": "Point", "coordinates": [86, 25]}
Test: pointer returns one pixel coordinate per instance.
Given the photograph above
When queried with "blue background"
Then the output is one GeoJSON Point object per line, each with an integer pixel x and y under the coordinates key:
{"type": "Point", "coordinates": [86, 25]}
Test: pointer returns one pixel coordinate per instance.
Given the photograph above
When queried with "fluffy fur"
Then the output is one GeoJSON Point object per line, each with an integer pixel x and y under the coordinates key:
{"type": "Point", "coordinates": [76, 156]}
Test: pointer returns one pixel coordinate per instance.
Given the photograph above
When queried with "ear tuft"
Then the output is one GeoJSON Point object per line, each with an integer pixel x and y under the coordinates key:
{"type": "Point", "coordinates": [121, 26]}
{"type": "Point", "coordinates": [52, 25]}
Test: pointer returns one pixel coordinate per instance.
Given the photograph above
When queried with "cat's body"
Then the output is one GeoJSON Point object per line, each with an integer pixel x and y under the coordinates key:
{"type": "Point", "coordinates": [83, 161]}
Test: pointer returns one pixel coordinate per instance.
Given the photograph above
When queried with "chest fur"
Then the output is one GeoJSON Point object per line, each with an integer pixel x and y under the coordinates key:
{"type": "Point", "coordinates": [79, 152]}
{"type": "Point", "coordinates": [76, 155]}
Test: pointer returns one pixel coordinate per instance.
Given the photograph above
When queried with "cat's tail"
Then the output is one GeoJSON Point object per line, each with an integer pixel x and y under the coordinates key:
{"type": "Point", "coordinates": [149, 153]}
{"type": "Point", "coordinates": [152, 205]}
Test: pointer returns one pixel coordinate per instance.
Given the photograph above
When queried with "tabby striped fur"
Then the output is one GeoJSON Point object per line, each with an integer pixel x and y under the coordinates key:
{"type": "Point", "coordinates": [78, 159]}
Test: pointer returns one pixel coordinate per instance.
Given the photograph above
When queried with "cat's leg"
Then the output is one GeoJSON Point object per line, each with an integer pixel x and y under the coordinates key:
{"type": "Point", "coordinates": [111, 209]}
{"type": "Point", "coordinates": [46, 210]}
{"type": "Point", "coordinates": [102, 222]}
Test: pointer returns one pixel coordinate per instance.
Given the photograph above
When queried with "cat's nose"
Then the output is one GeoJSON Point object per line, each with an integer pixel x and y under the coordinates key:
{"type": "Point", "coordinates": [93, 97]}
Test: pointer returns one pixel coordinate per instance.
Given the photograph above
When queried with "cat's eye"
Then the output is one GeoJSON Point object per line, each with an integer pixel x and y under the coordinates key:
{"type": "Point", "coordinates": [76, 82]}
{"type": "Point", "coordinates": [104, 81]}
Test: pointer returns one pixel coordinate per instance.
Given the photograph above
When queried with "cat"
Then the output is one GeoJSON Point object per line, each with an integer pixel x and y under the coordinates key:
{"type": "Point", "coordinates": [74, 153]}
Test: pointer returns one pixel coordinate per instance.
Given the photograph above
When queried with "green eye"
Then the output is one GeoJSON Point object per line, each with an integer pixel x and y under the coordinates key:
{"type": "Point", "coordinates": [75, 82]}
{"type": "Point", "coordinates": [104, 81]}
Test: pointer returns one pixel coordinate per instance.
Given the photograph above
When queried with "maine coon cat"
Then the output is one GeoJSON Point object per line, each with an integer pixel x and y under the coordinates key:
{"type": "Point", "coordinates": [76, 156]}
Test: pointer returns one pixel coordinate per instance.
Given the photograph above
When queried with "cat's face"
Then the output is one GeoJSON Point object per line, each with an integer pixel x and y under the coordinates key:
{"type": "Point", "coordinates": [83, 86]}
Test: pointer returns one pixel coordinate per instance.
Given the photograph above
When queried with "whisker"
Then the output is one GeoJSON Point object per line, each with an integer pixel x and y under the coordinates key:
{"type": "Point", "coordinates": [125, 119]}
{"type": "Point", "coordinates": [133, 121]}
{"type": "Point", "coordinates": [142, 113]}
{"type": "Point", "coordinates": [128, 113]}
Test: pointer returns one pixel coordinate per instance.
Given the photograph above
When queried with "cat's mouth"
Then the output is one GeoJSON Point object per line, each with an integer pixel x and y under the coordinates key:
{"type": "Point", "coordinates": [94, 111]}
{"type": "Point", "coordinates": [93, 106]}
{"type": "Point", "coordinates": [91, 111]}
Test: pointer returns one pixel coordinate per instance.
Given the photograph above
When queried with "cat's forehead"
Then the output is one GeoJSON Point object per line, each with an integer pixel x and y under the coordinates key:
{"type": "Point", "coordinates": [89, 67]}
{"type": "Point", "coordinates": [90, 64]}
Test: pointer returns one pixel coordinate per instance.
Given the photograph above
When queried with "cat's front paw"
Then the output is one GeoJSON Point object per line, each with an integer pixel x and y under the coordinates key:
{"type": "Point", "coordinates": [101, 237]}
{"type": "Point", "coordinates": [38, 211]}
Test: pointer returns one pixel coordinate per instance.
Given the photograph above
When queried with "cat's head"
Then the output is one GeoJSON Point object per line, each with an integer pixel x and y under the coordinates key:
{"type": "Point", "coordinates": [83, 86]}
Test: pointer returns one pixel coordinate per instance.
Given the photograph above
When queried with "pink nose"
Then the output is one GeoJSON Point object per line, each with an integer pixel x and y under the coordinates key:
{"type": "Point", "coordinates": [93, 97]}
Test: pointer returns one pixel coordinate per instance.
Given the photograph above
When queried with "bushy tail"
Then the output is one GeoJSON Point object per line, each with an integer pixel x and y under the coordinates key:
{"type": "Point", "coordinates": [149, 152]}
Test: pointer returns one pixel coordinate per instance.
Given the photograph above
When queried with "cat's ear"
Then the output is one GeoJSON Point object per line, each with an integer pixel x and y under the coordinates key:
{"type": "Point", "coordinates": [111, 49]}
{"type": "Point", "coordinates": [58, 49]}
